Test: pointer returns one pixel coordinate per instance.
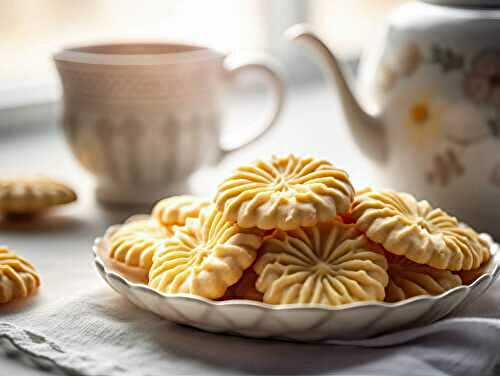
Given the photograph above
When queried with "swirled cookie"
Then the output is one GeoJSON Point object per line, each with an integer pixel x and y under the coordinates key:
{"type": "Point", "coordinates": [205, 256]}
{"type": "Point", "coordinates": [408, 279]}
{"type": "Point", "coordinates": [18, 278]}
{"type": "Point", "coordinates": [32, 195]}
{"type": "Point", "coordinates": [470, 276]}
{"type": "Point", "coordinates": [133, 246]}
{"type": "Point", "coordinates": [173, 211]}
{"type": "Point", "coordinates": [331, 263]}
{"type": "Point", "coordinates": [284, 193]}
{"type": "Point", "coordinates": [245, 287]}
{"type": "Point", "coordinates": [411, 228]}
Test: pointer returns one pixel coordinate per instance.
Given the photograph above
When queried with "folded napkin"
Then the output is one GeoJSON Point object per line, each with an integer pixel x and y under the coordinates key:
{"type": "Point", "coordinates": [101, 334]}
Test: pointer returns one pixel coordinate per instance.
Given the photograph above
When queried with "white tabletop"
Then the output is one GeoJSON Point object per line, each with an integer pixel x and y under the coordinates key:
{"type": "Point", "coordinates": [59, 245]}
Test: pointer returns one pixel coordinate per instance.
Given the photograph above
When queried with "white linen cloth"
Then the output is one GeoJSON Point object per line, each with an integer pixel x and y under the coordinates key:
{"type": "Point", "coordinates": [99, 333]}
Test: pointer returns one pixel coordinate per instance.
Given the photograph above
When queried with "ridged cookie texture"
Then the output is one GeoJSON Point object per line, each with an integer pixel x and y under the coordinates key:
{"type": "Point", "coordinates": [18, 278]}
{"type": "Point", "coordinates": [245, 287]}
{"type": "Point", "coordinates": [469, 276]}
{"type": "Point", "coordinates": [135, 243]}
{"type": "Point", "coordinates": [33, 195]}
{"type": "Point", "coordinates": [414, 229]}
{"type": "Point", "coordinates": [205, 256]}
{"type": "Point", "coordinates": [173, 211]}
{"type": "Point", "coordinates": [331, 263]}
{"type": "Point", "coordinates": [285, 193]}
{"type": "Point", "coordinates": [408, 279]}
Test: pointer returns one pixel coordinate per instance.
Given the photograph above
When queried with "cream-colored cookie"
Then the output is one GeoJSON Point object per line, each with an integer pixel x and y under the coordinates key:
{"type": "Point", "coordinates": [470, 276]}
{"type": "Point", "coordinates": [32, 195]}
{"type": "Point", "coordinates": [18, 278]}
{"type": "Point", "coordinates": [284, 193]}
{"type": "Point", "coordinates": [205, 256]}
{"type": "Point", "coordinates": [331, 263]}
{"type": "Point", "coordinates": [411, 228]}
{"type": "Point", "coordinates": [133, 246]}
{"type": "Point", "coordinates": [408, 279]}
{"type": "Point", "coordinates": [245, 287]}
{"type": "Point", "coordinates": [173, 211]}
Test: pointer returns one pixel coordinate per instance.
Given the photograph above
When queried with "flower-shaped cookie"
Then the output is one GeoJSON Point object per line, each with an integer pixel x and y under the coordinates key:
{"type": "Point", "coordinates": [411, 228]}
{"type": "Point", "coordinates": [205, 256]}
{"type": "Point", "coordinates": [284, 193]}
{"type": "Point", "coordinates": [134, 246]}
{"type": "Point", "coordinates": [245, 287]}
{"type": "Point", "coordinates": [18, 278]}
{"type": "Point", "coordinates": [173, 211]}
{"type": "Point", "coordinates": [331, 263]}
{"type": "Point", "coordinates": [408, 279]}
{"type": "Point", "coordinates": [470, 276]}
{"type": "Point", "coordinates": [32, 195]}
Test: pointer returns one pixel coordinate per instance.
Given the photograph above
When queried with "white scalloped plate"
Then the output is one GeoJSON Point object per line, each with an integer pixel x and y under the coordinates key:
{"type": "Point", "coordinates": [296, 322]}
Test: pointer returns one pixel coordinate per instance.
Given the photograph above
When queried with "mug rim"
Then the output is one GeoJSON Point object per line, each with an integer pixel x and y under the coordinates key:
{"type": "Point", "coordinates": [173, 53]}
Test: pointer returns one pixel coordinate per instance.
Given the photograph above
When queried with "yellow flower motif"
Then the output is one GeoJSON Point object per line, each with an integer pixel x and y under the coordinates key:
{"type": "Point", "coordinates": [423, 120]}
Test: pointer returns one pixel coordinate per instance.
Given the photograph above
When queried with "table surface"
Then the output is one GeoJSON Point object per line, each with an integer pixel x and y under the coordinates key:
{"type": "Point", "coordinates": [311, 124]}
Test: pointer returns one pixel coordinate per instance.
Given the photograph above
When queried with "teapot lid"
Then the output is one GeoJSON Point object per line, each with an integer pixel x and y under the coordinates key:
{"type": "Point", "coordinates": [466, 3]}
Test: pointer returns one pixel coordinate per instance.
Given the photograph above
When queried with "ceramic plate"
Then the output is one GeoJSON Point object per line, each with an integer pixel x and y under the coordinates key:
{"type": "Point", "coordinates": [296, 322]}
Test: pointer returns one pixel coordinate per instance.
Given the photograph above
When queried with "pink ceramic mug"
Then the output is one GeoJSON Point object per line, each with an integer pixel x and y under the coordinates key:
{"type": "Point", "coordinates": [143, 117]}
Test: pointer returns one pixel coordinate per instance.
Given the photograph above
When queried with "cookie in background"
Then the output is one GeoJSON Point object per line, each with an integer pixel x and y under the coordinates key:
{"type": "Point", "coordinates": [28, 196]}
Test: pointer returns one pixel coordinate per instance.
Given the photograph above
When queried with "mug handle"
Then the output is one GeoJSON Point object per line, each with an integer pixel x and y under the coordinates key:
{"type": "Point", "coordinates": [234, 65]}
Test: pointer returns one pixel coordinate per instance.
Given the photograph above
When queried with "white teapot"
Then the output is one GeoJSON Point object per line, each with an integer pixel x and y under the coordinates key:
{"type": "Point", "coordinates": [430, 104]}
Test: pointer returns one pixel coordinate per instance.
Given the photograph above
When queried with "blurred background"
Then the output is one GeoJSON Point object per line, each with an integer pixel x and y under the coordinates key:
{"type": "Point", "coordinates": [32, 30]}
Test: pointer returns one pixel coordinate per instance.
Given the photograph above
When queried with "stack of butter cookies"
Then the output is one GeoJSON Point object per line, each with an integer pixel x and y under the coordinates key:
{"type": "Point", "coordinates": [294, 230]}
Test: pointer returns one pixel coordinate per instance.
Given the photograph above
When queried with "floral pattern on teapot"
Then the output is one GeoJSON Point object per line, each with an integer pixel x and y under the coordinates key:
{"type": "Point", "coordinates": [429, 117]}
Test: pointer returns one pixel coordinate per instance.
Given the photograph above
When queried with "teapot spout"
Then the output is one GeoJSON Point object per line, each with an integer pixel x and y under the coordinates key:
{"type": "Point", "coordinates": [367, 129]}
